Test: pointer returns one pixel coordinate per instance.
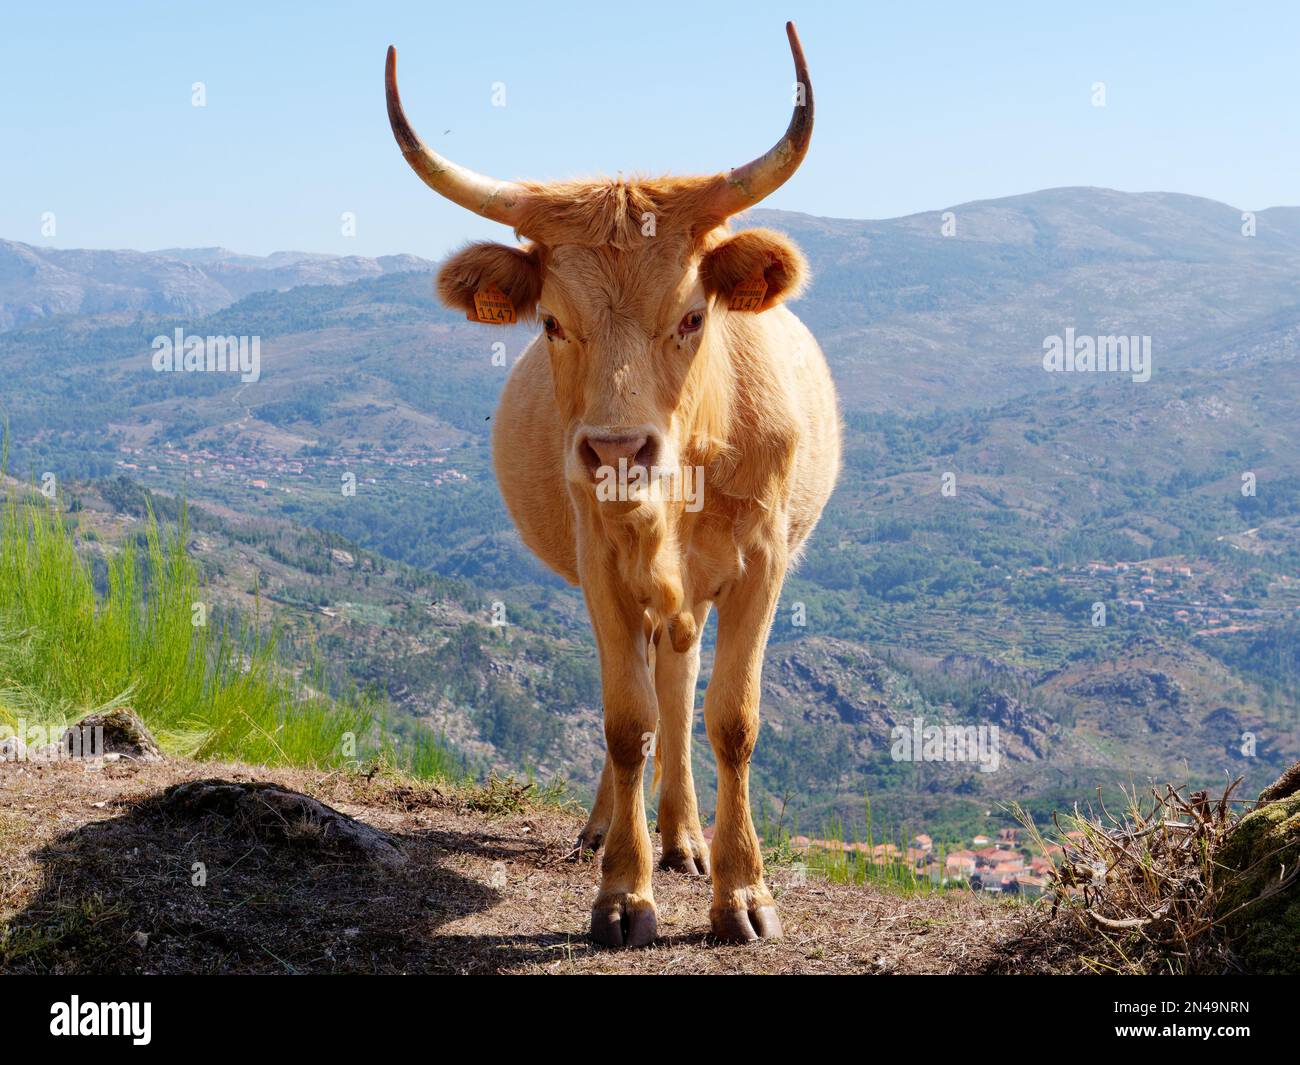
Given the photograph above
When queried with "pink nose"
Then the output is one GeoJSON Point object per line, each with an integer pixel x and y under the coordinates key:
{"type": "Point", "coordinates": [637, 449]}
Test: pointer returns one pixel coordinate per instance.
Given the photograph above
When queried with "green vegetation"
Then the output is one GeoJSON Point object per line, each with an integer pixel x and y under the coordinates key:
{"type": "Point", "coordinates": [206, 689]}
{"type": "Point", "coordinates": [1254, 867]}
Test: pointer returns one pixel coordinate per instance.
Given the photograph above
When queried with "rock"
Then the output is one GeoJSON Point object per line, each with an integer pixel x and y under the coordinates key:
{"type": "Point", "coordinates": [1287, 784]}
{"type": "Point", "coordinates": [12, 749]}
{"type": "Point", "coordinates": [1260, 905]}
{"type": "Point", "coordinates": [1137, 687]}
{"type": "Point", "coordinates": [124, 734]}
{"type": "Point", "coordinates": [1031, 727]}
{"type": "Point", "coordinates": [981, 667]}
{"type": "Point", "coordinates": [836, 683]}
{"type": "Point", "coordinates": [272, 812]}
{"type": "Point", "coordinates": [46, 752]}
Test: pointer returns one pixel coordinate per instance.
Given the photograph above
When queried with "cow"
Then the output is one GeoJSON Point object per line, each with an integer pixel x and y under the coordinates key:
{"type": "Point", "coordinates": [666, 358]}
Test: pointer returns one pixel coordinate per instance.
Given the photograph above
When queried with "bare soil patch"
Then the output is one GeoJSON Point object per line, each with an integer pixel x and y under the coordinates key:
{"type": "Point", "coordinates": [106, 872]}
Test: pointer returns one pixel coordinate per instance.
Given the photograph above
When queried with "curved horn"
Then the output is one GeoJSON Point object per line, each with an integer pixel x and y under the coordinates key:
{"type": "Point", "coordinates": [746, 185]}
{"type": "Point", "coordinates": [497, 200]}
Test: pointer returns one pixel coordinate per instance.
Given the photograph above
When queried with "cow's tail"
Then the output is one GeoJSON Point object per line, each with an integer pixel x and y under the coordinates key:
{"type": "Point", "coordinates": [652, 630]}
{"type": "Point", "coordinates": [659, 766]}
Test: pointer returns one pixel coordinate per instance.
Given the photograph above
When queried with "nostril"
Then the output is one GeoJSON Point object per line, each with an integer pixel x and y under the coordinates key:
{"type": "Point", "coordinates": [648, 454]}
{"type": "Point", "coordinates": [588, 455]}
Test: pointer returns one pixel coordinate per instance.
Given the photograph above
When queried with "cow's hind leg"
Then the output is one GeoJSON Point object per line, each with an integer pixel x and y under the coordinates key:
{"type": "Point", "coordinates": [684, 847]}
{"type": "Point", "coordinates": [594, 831]}
{"type": "Point", "coordinates": [743, 908]}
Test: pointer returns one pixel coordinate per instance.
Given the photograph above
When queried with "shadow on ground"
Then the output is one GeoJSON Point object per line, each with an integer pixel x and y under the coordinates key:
{"type": "Point", "coordinates": [214, 893]}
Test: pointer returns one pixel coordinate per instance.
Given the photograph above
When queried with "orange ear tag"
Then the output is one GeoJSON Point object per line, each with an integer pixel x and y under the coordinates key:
{"type": "Point", "coordinates": [493, 306]}
{"type": "Point", "coordinates": [748, 295]}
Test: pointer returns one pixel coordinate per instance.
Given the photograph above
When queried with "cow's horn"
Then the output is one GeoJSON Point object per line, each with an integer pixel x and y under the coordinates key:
{"type": "Point", "coordinates": [746, 185]}
{"type": "Point", "coordinates": [497, 200]}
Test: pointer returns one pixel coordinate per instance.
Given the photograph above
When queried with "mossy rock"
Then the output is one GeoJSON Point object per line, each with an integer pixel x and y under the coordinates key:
{"type": "Point", "coordinates": [1262, 848]}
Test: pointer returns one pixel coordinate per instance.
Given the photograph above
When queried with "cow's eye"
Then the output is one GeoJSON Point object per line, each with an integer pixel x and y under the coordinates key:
{"type": "Point", "coordinates": [552, 328]}
{"type": "Point", "coordinates": [691, 322]}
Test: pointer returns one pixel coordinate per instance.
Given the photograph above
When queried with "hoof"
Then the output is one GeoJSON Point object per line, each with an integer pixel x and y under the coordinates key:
{"type": "Point", "coordinates": [624, 921]}
{"type": "Point", "coordinates": [690, 861]}
{"type": "Point", "coordinates": [589, 840]}
{"type": "Point", "coordinates": [746, 926]}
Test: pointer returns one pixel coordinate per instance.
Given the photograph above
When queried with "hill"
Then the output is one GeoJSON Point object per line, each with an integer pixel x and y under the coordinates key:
{"type": "Point", "coordinates": [38, 283]}
{"type": "Point", "coordinates": [525, 695]}
{"type": "Point", "coordinates": [914, 314]}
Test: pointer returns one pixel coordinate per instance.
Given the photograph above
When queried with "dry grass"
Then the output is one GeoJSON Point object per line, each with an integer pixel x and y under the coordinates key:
{"type": "Point", "coordinates": [1144, 893]}
{"type": "Point", "coordinates": [500, 796]}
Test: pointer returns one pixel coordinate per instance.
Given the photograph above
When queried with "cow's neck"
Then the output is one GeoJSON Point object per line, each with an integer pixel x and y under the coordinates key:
{"type": "Point", "coordinates": [646, 544]}
{"type": "Point", "coordinates": [705, 410]}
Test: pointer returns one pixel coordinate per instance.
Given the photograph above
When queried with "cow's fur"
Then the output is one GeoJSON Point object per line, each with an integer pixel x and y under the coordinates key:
{"type": "Point", "coordinates": [749, 399]}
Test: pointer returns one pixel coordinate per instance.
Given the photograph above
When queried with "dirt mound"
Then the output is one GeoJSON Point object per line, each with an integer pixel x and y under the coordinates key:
{"type": "Point", "coordinates": [163, 868]}
{"type": "Point", "coordinates": [271, 813]}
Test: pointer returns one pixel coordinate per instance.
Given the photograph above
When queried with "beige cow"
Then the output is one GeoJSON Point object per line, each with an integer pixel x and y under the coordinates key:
{"type": "Point", "coordinates": [668, 443]}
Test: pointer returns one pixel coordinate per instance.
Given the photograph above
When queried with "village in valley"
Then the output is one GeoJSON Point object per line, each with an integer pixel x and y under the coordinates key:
{"type": "Point", "coordinates": [265, 469]}
{"type": "Point", "coordinates": [1176, 590]}
{"type": "Point", "coordinates": [1002, 864]}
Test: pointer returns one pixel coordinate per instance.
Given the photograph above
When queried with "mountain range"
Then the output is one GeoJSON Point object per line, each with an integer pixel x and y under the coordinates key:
{"type": "Point", "coordinates": [38, 283]}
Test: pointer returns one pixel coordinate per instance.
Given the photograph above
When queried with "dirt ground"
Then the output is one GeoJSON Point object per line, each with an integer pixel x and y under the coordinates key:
{"type": "Point", "coordinates": [100, 873]}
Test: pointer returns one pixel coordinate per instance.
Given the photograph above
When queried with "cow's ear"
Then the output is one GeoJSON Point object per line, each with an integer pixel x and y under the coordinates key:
{"type": "Point", "coordinates": [485, 269]}
{"type": "Point", "coordinates": [729, 270]}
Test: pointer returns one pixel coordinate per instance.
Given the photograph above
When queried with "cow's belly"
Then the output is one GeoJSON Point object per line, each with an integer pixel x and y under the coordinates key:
{"type": "Point", "coordinates": [528, 455]}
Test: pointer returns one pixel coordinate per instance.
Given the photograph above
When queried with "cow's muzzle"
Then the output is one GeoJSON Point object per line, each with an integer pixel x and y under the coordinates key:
{"type": "Point", "coordinates": [618, 449]}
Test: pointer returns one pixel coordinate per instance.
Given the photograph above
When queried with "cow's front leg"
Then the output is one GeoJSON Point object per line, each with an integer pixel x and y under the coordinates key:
{"type": "Point", "coordinates": [624, 911]}
{"type": "Point", "coordinates": [742, 909]}
{"type": "Point", "coordinates": [685, 849]}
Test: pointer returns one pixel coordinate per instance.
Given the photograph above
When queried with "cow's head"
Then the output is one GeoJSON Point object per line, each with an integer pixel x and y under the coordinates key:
{"type": "Point", "coordinates": [632, 282]}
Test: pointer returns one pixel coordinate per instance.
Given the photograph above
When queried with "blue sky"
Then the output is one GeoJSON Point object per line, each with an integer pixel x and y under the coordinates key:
{"type": "Point", "coordinates": [919, 106]}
